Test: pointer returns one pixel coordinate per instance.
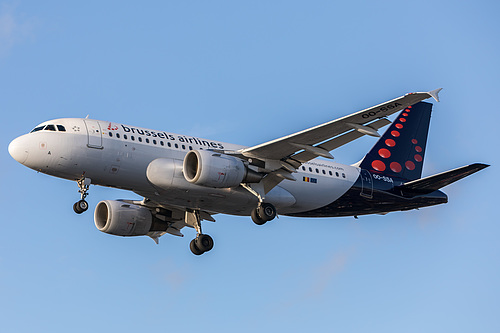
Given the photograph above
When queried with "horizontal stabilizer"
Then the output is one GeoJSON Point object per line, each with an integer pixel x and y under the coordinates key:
{"type": "Point", "coordinates": [434, 183]}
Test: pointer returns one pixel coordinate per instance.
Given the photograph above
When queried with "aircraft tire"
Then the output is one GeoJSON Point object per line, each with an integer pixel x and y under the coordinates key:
{"type": "Point", "coordinates": [204, 242]}
{"type": "Point", "coordinates": [256, 218]}
{"type": "Point", "coordinates": [194, 248]}
{"type": "Point", "coordinates": [80, 206]}
{"type": "Point", "coordinates": [266, 212]}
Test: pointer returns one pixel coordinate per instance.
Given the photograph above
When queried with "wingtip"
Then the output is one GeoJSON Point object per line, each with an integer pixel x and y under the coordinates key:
{"type": "Point", "coordinates": [435, 93]}
{"type": "Point", "coordinates": [481, 166]}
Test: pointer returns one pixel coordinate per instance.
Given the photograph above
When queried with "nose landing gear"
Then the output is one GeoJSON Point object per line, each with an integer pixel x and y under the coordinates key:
{"type": "Point", "coordinates": [82, 205]}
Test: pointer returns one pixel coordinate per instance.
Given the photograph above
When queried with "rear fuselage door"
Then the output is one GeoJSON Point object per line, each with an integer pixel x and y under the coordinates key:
{"type": "Point", "coordinates": [94, 133]}
{"type": "Point", "coordinates": [366, 184]}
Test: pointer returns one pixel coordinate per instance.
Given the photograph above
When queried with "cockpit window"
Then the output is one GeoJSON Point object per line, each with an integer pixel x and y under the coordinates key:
{"type": "Point", "coordinates": [49, 127]}
{"type": "Point", "coordinates": [36, 129]}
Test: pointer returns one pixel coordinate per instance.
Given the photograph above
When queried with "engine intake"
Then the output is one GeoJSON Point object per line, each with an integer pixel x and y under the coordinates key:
{"type": "Point", "coordinates": [207, 168]}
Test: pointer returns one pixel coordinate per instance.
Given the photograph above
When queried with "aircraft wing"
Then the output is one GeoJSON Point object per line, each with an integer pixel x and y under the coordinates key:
{"type": "Point", "coordinates": [308, 144]}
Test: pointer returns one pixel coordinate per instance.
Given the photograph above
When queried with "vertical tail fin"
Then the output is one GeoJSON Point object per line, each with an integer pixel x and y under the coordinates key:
{"type": "Point", "coordinates": [400, 151]}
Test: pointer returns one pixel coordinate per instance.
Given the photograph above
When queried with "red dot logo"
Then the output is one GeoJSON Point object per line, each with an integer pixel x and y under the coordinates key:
{"type": "Point", "coordinates": [390, 142]}
{"type": "Point", "coordinates": [410, 165]}
{"type": "Point", "coordinates": [414, 141]}
{"type": "Point", "coordinates": [409, 108]}
{"type": "Point", "coordinates": [402, 120]}
{"type": "Point", "coordinates": [395, 166]}
{"type": "Point", "coordinates": [418, 158]}
{"type": "Point", "coordinates": [405, 114]}
{"type": "Point", "coordinates": [399, 126]}
{"type": "Point", "coordinates": [385, 153]}
{"type": "Point", "coordinates": [378, 165]}
{"type": "Point", "coordinates": [418, 149]}
{"type": "Point", "coordinates": [395, 134]}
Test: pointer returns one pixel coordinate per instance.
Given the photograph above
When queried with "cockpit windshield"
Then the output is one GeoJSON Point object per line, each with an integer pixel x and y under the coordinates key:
{"type": "Point", "coordinates": [49, 127]}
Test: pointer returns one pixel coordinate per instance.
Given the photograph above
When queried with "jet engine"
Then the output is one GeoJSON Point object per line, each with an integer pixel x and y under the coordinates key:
{"type": "Point", "coordinates": [122, 219]}
{"type": "Point", "coordinates": [207, 168]}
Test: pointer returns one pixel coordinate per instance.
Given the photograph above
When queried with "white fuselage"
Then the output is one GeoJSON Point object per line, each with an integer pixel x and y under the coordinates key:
{"type": "Point", "coordinates": [117, 155]}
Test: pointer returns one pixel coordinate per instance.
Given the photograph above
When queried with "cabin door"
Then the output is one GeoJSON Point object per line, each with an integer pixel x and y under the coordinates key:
{"type": "Point", "coordinates": [94, 134]}
{"type": "Point", "coordinates": [366, 184]}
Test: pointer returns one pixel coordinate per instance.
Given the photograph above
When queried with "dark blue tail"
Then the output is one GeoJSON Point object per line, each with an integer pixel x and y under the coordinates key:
{"type": "Point", "coordinates": [400, 151]}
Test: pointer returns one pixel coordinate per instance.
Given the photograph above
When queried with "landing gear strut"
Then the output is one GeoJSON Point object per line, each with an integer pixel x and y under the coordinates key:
{"type": "Point", "coordinates": [202, 243]}
{"type": "Point", "coordinates": [82, 205]}
{"type": "Point", "coordinates": [263, 213]}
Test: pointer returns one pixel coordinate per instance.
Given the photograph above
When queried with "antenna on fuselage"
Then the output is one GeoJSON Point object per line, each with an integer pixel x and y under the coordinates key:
{"type": "Point", "coordinates": [87, 117]}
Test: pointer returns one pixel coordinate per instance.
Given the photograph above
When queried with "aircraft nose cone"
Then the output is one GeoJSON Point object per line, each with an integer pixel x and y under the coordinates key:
{"type": "Point", "coordinates": [18, 149]}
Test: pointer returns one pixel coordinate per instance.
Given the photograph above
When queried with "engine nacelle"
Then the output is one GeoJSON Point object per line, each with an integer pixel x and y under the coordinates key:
{"type": "Point", "coordinates": [122, 219]}
{"type": "Point", "coordinates": [207, 168]}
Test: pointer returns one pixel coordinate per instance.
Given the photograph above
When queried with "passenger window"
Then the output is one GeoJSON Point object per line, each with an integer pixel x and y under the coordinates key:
{"type": "Point", "coordinates": [118, 135]}
{"type": "Point", "coordinates": [343, 175]}
{"type": "Point", "coordinates": [330, 173]}
{"type": "Point", "coordinates": [140, 139]}
{"type": "Point", "coordinates": [310, 169]}
{"type": "Point", "coordinates": [336, 174]}
{"type": "Point", "coordinates": [176, 145]}
{"type": "Point", "coordinates": [169, 144]}
{"type": "Point", "coordinates": [61, 128]}
{"type": "Point", "coordinates": [110, 134]}
{"type": "Point", "coordinates": [303, 168]}
{"type": "Point", "coordinates": [147, 140]}
{"type": "Point", "coordinates": [161, 143]}
{"type": "Point", "coordinates": [50, 128]}
{"type": "Point", "coordinates": [190, 148]}
{"type": "Point", "coordinates": [125, 136]}
{"type": "Point", "coordinates": [132, 138]}
{"type": "Point", "coordinates": [324, 172]}
{"type": "Point", "coordinates": [317, 171]}
{"type": "Point", "coordinates": [154, 141]}
{"type": "Point", "coordinates": [183, 147]}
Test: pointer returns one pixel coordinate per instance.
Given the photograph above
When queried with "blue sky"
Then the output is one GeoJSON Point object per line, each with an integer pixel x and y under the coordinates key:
{"type": "Point", "coordinates": [249, 72]}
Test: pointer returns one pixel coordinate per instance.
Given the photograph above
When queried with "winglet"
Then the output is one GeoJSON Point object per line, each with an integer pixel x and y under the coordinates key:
{"type": "Point", "coordinates": [435, 94]}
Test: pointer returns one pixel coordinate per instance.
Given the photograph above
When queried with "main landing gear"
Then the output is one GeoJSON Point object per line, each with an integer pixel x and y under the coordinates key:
{"type": "Point", "coordinates": [263, 213]}
{"type": "Point", "coordinates": [202, 243]}
{"type": "Point", "coordinates": [82, 205]}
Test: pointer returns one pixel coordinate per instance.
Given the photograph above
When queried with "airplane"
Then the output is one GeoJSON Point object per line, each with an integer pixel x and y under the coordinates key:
{"type": "Point", "coordinates": [185, 180]}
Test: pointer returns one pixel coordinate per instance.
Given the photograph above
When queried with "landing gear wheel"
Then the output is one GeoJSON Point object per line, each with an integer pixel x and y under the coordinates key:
{"type": "Point", "coordinates": [80, 206]}
{"type": "Point", "coordinates": [194, 248]}
{"type": "Point", "coordinates": [204, 242]}
{"type": "Point", "coordinates": [263, 213]}
{"type": "Point", "coordinates": [266, 211]}
{"type": "Point", "coordinates": [256, 218]}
